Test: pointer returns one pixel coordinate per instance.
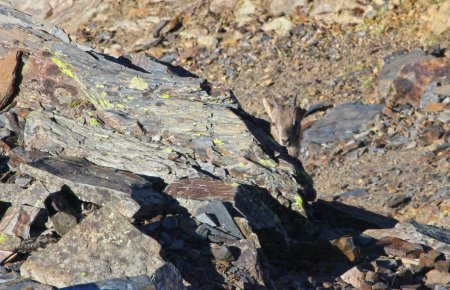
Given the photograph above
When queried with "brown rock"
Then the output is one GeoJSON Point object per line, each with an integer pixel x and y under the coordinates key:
{"type": "Point", "coordinates": [19, 220]}
{"type": "Point", "coordinates": [415, 78]}
{"type": "Point", "coordinates": [347, 246]}
{"type": "Point", "coordinates": [400, 248]}
{"type": "Point", "coordinates": [436, 277]}
{"type": "Point", "coordinates": [429, 258]}
{"type": "Point", "coordinates": [354, 277]}
{"type": "Point", "coordinates": [434, 107]}
{"type": "Point", "coordinates": [8, 68]}
{"type": "Point", "coordinates": [443, 266]}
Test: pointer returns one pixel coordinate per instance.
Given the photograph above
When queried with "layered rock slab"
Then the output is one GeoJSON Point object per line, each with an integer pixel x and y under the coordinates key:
{"type": "Point", "coordinates": [103, 246]}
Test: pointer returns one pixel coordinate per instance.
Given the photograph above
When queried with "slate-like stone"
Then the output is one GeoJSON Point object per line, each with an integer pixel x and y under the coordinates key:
{"type": "Point", "coordinates": [408, 232]}
{"type": "Point", "coordinates": [34, 195]}
{"type": "Point", "coordinates": [8, 68]}
{"type": "Point", "coordinates": [340, 123]}
{"type": "Point", "coordinates": [165, 278]}
{"type": "Point", "coordinates": [191, 192]}
{"type": "Point", "coordinates": [103, 246]}
{"type": "Point", "coordinates": [219, 210]}
{"type": "Point", "coordinates": [9, 242]}
{"type": "Point", "coordinates": [20, 220]}
{"type": "Point", "coordinates": [251, 259]}
{"type": "Point", "coordinates": [93, 183]}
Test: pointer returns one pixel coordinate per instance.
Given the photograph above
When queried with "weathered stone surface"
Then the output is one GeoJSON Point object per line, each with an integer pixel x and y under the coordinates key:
{"type": "Point", "coordinates": [400, 248]}
{"type": "Point", "coordinates": [340, 11]}
{"type": "Point", "coordinates": [354, 277]}
{"type": "Point", "coordinates": [8, 68]}
{"type": "Point", "coordinates": [184, 131]}
{"type": "Point", "coordinates": [435, 277]}
{"type": "Point", "coordinates": [341, 122]}
{"type": "Point", "coordinates": [103, 246]}
{"type": "Point", "coordinates": [19, 220]}
{"type": "Point", "coordinates": [166, 277]}
{"type": "Point", "coordinates": [9, 242]}
{"type": "Point", "coordinates": [251, 259]}
{"type": "Point", "coordinates": [93, 183]}
{"type": "Point", "coordinates": [191, 192]}
{"type": "Point", "coordinates": [408, 232]}
{"type": "Point", "coordinates": [226, 222]}
{"type": "Point", "coordinates": [347, 246]}
{"type": "Point", "coordinates": [34, 195]}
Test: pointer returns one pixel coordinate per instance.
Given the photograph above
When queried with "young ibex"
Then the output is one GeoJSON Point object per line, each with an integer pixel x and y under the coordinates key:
{"type": "Point", "coordinates": [286, 124]}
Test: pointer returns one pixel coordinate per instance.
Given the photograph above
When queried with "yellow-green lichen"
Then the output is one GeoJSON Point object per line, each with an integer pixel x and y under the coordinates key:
{"type": "Point", "coordinates": [138, 84]}
{"type": "Point", "coordinates": [146, 109]}
{"type": "Point", "coordinates": [83, 274]}
{"type": "Point", "coordinates": [99, 86]}
{"type": "Point", "coordinates": [298, 203]}
{"type": "Point", "coordinates": [94, 122]}
{"type": "Point", "coordinates": [120, 106]}
{"type": "Point", "coordinates": [3, 238]}
{"type": "Point", "coordinates": [234, 184]}
{"type": "Point", "coordinates": [93, 97]}
{"type": "Point", "coordinates": [217, 142]}
{"type": "Point", "coordinates": [266, 163]}
{"type": "Point", "coordinates": [168, 150]}
{"type": "Point", "coordinates": [165, 96]}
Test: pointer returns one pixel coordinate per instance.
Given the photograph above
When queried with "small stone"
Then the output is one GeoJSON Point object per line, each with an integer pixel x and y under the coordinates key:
{"type": "Point", "coordinates": [221, 252]}
{"type": "Point", "coordinates": [399, 200]}
{"type": "Point", "coordinates": [63, 222]}
{"type": "Point", "coordinates": [23, 181]}
{"type": "Point", "coordinates": [380, 286]}
{"type": "Point", "coordinates": [429, 258]}
{"type": "Point", "coordinates": [206, 219]}
{"type": "Point", "coordinates": [170, 223]}
{"type": "Point", "coordinates": [436, 277]}
{"type": "Point", "coordinates": [177, 245]}
{"type": "Point", "coordinates": [400, 248]}
{"type": "Point", "coordinates": [354, 277]}
{"type": "Point", "coordinates": [442, 266]}
{"type": "Point", "coordinates": [371, 277]}
{"type": "Point", "coordinates": [347, 246]}
{"type": "Point", "coordinates": [281, 25]}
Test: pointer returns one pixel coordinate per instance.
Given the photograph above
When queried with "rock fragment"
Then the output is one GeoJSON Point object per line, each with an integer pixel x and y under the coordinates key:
{"type": "Point", "coordinates": [103, 246]}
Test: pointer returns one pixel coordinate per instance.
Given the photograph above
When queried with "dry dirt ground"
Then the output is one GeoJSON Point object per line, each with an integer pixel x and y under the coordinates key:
{"type": "Point", "coordinates": [318, 60]}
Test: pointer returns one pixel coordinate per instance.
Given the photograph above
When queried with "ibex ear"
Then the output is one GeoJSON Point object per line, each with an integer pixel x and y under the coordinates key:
{"type": "Point", "coordinates": [269, 107]}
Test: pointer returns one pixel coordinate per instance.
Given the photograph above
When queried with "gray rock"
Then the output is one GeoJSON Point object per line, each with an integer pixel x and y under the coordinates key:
{"type": "Point", "coordinates": [221, 252]}
{"type": "Point", "coordinates": [34, 195]}
{"type": "Point", "coordinates": [95, 184]}
{"type": "Point", "coordinates": [226, 222]}
{"type": "Point", "coordinates": [63, 222]}
{"type": "Point", "coordinates": [103, 246]}
{"type": "Point", "coordinates": [393, 64]}
{"type": "Point", "coordinates": [341, 123]}
{"type": "Point", "coordinates": [359, 192]}
{"type": "Point", "coordinates": [166, 277]}
{"type": "Point", "coordinates": [20, 220]}
{"type": "Point", "coordinates": [408, 232]}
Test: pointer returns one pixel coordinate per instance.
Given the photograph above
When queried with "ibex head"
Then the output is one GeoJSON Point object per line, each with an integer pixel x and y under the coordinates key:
{"type": "Point", "coordinates": [285, 122]}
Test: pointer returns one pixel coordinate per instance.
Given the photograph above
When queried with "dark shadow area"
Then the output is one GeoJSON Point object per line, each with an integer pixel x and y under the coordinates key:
{"type": "Point", "coordinates": [125, 61]}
